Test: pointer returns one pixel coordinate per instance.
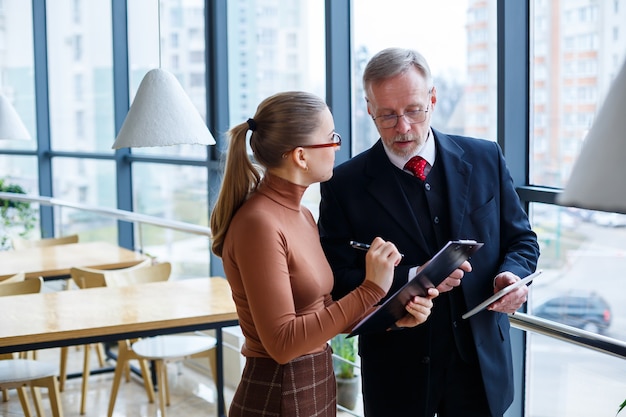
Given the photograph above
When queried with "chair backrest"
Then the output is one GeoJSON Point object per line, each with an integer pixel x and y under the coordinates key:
{"type": "Point", "coordinates": [20, 243]}
{"type": "Point", "coordinates": [152, 273]}
{"type": "Point", "coordinates": [85, 277]}
{"type": "Point", "coordinates": [138, 274]}
{"type": "Point", "coordinates": [20, 276]}
{"type": "Point", "coordinates": [28, 286]}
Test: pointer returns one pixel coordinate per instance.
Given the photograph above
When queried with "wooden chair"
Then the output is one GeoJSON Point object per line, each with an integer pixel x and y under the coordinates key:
{"type": "Point", "coordinates": [26, 286]}
{"type": "Point", "coordinates": [160, 349]}
{"type": "Point", "coordinates": [90, 278]}
{"type": "Point", "coordinates": [21, 373]}
{"type": "Point", "coordinates": [94, 278]}
{"type": "Point", "coordinates": [21, 243]}
{"type": "Point", "coordinates": [11, 287]}
{"type": "Point", "coordinates": [163, 349]}
{"type": "Point", "coordinates": [20, 276]}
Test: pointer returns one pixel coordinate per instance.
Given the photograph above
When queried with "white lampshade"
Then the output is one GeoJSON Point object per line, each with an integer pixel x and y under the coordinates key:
{"type": "Point", "coordinates": [11, 126]}
{"type": "Point", "coordinates": [161, 115]}
{"type": "Point", "coordinates": [598, 179]}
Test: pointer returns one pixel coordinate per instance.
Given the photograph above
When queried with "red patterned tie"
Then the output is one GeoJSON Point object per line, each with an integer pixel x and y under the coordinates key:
{"type": "Point", "coordinates": [416, 165]}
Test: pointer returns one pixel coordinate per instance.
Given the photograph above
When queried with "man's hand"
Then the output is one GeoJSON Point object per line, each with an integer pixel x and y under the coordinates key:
{"type": "Point", "coordinates": [513, 300]}
{"type": "Point", "coordinates": [454, 279]}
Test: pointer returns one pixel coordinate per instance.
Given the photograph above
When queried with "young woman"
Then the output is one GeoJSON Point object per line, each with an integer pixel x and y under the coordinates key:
{"type": "Point", "coordinates": [275, 265]}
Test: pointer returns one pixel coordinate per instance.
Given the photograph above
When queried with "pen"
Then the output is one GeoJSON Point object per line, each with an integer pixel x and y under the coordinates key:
{"type": "Point", "coordinates": [363, 246]}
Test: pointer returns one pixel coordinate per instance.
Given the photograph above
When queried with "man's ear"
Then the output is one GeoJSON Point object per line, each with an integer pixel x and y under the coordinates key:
{"type": "Point", "coordinates": [433, 97]}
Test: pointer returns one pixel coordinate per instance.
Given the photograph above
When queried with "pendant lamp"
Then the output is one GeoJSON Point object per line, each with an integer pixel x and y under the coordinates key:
{"type": "Point", "coordinates": [11, 126]}
{"type": "Point", "coordinates": [161, 115]}
{"type": "Point", "coordinates": [598, 179]}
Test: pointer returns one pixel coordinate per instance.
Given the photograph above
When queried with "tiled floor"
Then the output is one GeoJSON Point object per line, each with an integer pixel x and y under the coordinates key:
{"type": "Point", "coordinates": [192, 393]}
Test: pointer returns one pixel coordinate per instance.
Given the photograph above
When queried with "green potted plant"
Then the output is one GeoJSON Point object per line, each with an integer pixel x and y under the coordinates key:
{"type": "Point", "coordinates": [15, 216]}
{"type": "Point", "coordinates": [347, 380]}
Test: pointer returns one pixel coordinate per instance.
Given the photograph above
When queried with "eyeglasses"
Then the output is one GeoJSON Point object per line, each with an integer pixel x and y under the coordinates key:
{"type": "Point", "coordinates": [391, 120]}
{"type": "Point", "coordinates": [334, 144]}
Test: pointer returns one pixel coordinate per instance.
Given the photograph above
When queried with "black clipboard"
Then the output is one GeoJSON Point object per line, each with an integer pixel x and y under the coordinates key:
{"type": "Point", "coordinates": [449, 258]}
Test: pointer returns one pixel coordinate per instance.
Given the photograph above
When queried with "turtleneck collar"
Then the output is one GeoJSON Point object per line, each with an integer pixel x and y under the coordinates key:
{"type": "Point", "coordinates": [282, 191]}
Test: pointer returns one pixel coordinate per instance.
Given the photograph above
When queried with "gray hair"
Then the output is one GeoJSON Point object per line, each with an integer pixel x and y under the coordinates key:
{"type": "Point", "coordinates": [394, 61]}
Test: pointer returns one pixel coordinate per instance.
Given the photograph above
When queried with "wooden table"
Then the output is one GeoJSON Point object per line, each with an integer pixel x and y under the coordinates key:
{"type": "Point", "coordinates": [55, 261]}
{"type": "Point", "coordinates": [108, 314]}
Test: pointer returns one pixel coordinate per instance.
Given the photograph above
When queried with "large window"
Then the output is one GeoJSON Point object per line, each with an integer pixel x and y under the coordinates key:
{"type": "Point", "coordinates": [582, 256]}
{"type": "Point", "coordinates": [462, 58]}
{"type": "Point", "coordinates": [575, 56]}
{"type": "Point", "coordinates": [80, 78]}
{"type": "Point", "coordinates": [80, 100]}
{"type": "Point", "coordinates": [169, 35]}
{"type": "Point", "coordinates": [88, 182]}
{"type": "Point", "coordinates": [18, 87]}
{"type": "Point", "coordinates": [173, 192]}
{"type": "Point", "coordinates": [273, 47]}
{"type": "Point", "coordinates": [576, 52]}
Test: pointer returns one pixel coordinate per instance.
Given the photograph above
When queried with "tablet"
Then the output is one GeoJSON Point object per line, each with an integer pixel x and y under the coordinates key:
{"type": "Point", "coordinates": [504, 291]}
{"type": "Point", "coordinates": [449, 258]}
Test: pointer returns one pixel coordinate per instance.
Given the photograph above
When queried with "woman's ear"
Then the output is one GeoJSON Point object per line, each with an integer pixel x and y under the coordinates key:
{"type": "Point", "coordinates": [298, 157]}
{"type": "Point", "coordinates": [301, 156]}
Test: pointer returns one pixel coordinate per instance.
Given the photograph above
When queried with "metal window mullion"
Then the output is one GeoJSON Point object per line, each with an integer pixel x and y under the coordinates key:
{"type": "Point", "coordinates": [339, 71]}
{"type": "Point", "coordinates": [42, 114]}
{"type": "Point", "coordinates": [217, 100]}
{"type": "Point", "coordinates": [124, 192]}
{"type": "Point", "coordinates": [513, 136]}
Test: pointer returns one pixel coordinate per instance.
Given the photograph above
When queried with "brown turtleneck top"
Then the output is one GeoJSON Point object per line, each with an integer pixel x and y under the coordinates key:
{"type": "Point", "coordinates": [281, 280]}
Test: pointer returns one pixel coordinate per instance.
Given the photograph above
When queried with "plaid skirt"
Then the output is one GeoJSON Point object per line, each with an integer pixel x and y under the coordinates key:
{"type": "Point", "coordinates": [304, 387]}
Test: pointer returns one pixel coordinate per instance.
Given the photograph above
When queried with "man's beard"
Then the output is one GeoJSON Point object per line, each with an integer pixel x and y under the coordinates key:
{"type": "Point", "coordinates": [404, 152]}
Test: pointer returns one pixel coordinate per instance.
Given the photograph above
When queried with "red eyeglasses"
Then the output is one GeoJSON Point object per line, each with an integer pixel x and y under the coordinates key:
{"type": "Point", "coordinates": [334, 144]}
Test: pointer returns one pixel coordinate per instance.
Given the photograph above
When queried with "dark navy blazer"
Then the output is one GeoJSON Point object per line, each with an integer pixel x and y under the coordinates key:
{"type": "Point", "coordinates": [364, 199]}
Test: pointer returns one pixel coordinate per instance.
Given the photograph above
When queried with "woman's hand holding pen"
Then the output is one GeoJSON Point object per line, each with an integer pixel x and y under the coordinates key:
{"type": "Point", "coordinates": [380, 261]}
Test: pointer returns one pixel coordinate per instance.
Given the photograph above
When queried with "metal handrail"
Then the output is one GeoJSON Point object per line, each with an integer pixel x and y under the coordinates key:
{"type": "Point", "coordinates": [597, 342]}
{"type": "Point", "coordinates": [125, 215]}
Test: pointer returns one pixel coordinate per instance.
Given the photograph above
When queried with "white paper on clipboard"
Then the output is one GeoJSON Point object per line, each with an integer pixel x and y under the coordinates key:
{"type": "Point", "coordinates": [504, 291]}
